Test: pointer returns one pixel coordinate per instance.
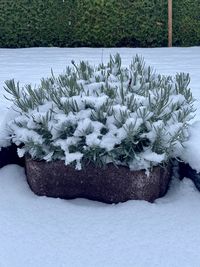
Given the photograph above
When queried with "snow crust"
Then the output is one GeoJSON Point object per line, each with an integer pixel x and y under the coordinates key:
{"type": "Point", "coordinates": [39, 231]}
{"type": "Point", "coordinates": [191, 150]}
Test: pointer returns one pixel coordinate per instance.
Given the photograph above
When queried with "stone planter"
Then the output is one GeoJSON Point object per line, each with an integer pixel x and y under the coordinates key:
{"type": "Point", "coordinates": [109, 185]}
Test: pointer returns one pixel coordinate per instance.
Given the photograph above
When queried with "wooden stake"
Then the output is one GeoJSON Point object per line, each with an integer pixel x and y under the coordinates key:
{"type": "Point", "coordinates": [169, 23]}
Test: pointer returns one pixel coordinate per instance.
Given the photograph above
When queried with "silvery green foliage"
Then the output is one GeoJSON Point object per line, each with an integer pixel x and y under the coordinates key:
{"type": "Point", "coordinates": [128, 116]}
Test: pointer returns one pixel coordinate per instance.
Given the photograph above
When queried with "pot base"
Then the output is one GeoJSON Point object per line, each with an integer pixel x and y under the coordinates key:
{"type": "Point", "coordinates": [109, 185]}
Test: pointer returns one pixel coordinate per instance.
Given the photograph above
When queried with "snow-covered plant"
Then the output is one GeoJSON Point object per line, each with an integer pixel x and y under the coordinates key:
{"type": "Point", "coordinates": [109, 113]}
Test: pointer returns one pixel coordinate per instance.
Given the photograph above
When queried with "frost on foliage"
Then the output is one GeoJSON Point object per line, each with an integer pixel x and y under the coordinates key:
{"type": "Point", "coordinates": [128, 116]}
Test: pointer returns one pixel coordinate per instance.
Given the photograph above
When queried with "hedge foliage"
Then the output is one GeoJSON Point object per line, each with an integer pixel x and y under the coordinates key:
{"type": "Point", "coordinates": [25, 23]}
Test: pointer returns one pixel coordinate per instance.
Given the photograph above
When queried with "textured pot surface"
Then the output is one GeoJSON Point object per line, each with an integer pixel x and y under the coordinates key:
{"type": "Point", "coordinates": [110, 184]}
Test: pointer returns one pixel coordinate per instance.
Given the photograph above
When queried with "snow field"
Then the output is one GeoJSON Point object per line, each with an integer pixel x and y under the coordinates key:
{"type": "Point", "coordinates": [39, 231]}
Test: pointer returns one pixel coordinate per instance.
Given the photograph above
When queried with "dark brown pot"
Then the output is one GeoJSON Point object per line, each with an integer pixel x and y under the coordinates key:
{"type": "Point", "coordinates": [110, 185]}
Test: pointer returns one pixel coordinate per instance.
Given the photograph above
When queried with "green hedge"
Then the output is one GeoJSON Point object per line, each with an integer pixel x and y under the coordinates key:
{"type": "Point", "coordinates": [25, 23]}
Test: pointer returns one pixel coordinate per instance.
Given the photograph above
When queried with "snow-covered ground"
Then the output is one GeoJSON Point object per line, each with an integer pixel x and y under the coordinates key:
{"type": "Point", "coordinates": [38, 231]}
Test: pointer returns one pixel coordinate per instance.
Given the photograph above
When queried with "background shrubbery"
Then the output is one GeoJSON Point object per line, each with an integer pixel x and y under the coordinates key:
{"type": "Point", "coordinates": [25, 23]}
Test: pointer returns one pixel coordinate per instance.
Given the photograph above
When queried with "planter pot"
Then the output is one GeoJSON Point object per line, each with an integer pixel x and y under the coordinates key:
{"type": "Point", "coordinates": [109, 185]}
{"type": "Point", "coordinates": [8, 155]}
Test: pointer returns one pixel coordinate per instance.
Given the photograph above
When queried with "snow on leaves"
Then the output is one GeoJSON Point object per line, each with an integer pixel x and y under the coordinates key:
{"type": "Point", "coordinates": [128, 116]}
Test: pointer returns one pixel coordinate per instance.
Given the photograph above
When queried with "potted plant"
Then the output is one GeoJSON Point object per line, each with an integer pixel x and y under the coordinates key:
{"type": "Point", "coordinates": [105, 133]}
